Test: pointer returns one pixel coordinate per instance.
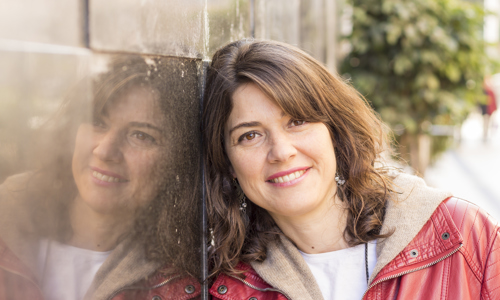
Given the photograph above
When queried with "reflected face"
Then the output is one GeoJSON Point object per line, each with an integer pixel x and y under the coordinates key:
{"type": "Point", "coordinates": [283, 165]}
{"type": "Point", "coordinates": [117, 157]}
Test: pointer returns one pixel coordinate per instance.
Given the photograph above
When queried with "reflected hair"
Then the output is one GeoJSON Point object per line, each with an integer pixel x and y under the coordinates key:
{"type": "Point", "coordinates": [305, 90]}
{"type": "Point", "coordinates": [168, 227]}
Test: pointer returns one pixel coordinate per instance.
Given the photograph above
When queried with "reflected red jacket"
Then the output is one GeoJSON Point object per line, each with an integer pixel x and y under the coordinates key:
{"type": "Point", "coordinates": [18, 283]}
{"type": "Point", "coordinates": [456, 255]}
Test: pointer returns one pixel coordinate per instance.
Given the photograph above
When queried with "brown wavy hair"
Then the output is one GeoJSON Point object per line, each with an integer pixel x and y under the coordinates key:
{"type": "Point", "coordinates": [305, 90]}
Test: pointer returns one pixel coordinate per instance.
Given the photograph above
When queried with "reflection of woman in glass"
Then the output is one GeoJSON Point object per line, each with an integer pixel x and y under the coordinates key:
{"type": "Point", "coordinates": [105, 220]}
{"type": "Point", "coordinates": [301, 209]}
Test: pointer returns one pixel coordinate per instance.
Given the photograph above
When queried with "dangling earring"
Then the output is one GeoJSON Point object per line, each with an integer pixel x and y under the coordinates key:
{"type": "Point", "coordinates": [241, 196]}
{"type": "Point", "coordinates": [339, 179]}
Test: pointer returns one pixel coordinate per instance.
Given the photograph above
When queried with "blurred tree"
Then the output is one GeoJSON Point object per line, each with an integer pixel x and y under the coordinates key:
{"type": "Point", "coordinates": [418, 63]}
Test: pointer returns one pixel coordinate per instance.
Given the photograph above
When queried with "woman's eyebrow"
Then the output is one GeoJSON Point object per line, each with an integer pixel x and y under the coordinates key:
{"type": "Point", "coordinates": [244, 124]}
{"type": "Point", "coordinates": [146, 125]}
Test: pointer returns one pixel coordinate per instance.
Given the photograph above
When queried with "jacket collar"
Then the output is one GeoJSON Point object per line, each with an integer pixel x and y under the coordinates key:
{"type": "Point", "coordinates": [406, 215]}
{"type": "Point", "coordinates": [438, 239]}
{"type": "Point", "coordinates": [115, 273]}
{"type": "Point", "coordinates": [409, 209]}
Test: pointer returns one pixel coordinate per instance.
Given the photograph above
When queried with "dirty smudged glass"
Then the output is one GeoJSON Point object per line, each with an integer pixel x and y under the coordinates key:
{"type": "Point", "coordinates": [34, 21]}
{"type": "Point", "coordinates": [278, 20]}
{"type": "Point", "coordinates": [188, 28]}
{"type": "Point", "coordinates": [99, 164]}
{"type": "Point", "coordinates": [228, 20]}
{"type": "Point", "coordinates": [174, 27]}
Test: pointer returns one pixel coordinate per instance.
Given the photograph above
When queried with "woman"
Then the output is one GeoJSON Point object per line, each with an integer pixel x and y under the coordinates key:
{"type": "Point", "coordinates": [105, 220]}
{"type": "Point", "coordinates": [300, 206]}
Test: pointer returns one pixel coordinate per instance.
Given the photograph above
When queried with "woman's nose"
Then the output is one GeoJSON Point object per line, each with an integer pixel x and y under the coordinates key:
{"type": "Point", "coordinates": [282, 149]}
{"type": "Point", "coordinates": [108, 147]}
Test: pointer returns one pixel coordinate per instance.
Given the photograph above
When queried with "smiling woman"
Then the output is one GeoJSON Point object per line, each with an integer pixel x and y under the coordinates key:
{"type": "Point", "coordinates": [113, 216]}
{"type": "Point", "coordinates": [301, 205]}
{"type": "Point", "coordinates": [117, 155]}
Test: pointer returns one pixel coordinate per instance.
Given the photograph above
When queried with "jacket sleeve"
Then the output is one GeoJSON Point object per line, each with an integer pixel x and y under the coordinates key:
{"type": "Point", "coordinates": [491, 278]}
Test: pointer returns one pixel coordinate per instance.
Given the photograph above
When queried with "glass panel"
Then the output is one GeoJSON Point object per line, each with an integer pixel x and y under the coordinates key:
{"type": "Point", "coordinates": [99, 173]}
{"type": "Point", "coordinates": [278, 20]}
{"type": "Point", "coordinates": [332, 24]}
{"type": "Point", "coordinates": [312, 30]}
{"type": "Point", "coordinates": [229, 20]}
{"type": "Point", "coordinates": [33, 20]}
{"type": "Point", "coordinates": [173, 27]}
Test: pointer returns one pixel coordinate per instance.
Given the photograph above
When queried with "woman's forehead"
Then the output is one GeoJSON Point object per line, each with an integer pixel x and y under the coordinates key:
{"type": "Point", "coordinates": [136, 102]}
{"type": "Point", "coordinates": [249, 99]}
{"type": "Point", "coordinates": [290, 102]}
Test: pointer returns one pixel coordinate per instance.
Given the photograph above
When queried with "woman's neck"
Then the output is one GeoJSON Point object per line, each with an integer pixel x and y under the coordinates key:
{"type": "Point", "coordinates": [318, 232]}
{"type": "Point", "coordinates": [94, 231]}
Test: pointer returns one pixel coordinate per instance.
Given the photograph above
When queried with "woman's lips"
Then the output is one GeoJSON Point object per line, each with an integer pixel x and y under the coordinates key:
{"type": "Point", "coordinates": [289, 177]}
{"type": "Point", "coordinates": [107, 178]}
{"type": "Point", "coordinates": [103, 177]}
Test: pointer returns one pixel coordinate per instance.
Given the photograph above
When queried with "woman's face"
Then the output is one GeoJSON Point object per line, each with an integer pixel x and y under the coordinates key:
{"type": "Point", "coordinates": [283, 165]}
{"type": "Point", "coordinates": [117, 157]}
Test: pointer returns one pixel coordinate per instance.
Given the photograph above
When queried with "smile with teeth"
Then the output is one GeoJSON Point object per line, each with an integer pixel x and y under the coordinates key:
{"type": "Point", "coordinates": [288, 177]}
{"type": "Point", "coordinates": [107, 178]}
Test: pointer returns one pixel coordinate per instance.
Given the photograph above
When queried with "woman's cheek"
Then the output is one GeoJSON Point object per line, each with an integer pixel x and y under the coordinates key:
{"type": "Point", "coordinates": [83, 145]}
{"type": "Point", "coordinates": [242, 163]}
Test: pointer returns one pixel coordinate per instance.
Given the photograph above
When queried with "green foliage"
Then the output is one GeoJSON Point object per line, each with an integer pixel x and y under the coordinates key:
{"type": "Point", "coordinates": [418, 62]}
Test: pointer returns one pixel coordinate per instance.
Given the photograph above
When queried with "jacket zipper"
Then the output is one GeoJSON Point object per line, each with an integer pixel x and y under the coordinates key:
{"type": "Point", "coordinates": [412, 270]}
{"type": "Point", "coordinates": [144, 288]}
{"type": "Point", "coordinates": [259, 289]}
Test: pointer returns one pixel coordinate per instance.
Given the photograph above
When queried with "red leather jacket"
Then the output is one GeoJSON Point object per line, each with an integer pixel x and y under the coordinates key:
{"type": "Point", "coordinates": [456, 255]}
{"type": "Point", "coordinates": [18, 282]}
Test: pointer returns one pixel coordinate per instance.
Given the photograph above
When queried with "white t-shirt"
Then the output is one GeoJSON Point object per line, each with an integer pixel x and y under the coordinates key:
{"type": "Point", "coordinates": [66, 272]}
{"type": "Point", "coordinates": [341, 275]}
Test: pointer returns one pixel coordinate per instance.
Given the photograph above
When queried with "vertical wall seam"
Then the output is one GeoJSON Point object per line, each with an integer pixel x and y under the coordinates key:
{"type": "Point", "coordinates": [252, 19]}
{"type": "Point", "coordinates": [86, 23]}
{"type": "Point", "coordinates": [204, 221]}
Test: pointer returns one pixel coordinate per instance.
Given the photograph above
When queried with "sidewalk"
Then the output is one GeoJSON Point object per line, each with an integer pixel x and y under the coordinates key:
{"type": "Point", "coordinates": [472, 170]}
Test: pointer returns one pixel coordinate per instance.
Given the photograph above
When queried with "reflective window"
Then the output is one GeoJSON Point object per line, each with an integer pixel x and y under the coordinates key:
{"type": "Point", "coordinates": [100, 164]}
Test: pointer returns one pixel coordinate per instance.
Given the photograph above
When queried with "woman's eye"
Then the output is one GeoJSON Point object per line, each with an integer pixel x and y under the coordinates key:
{"type": "Point", "coordinates": [141, 136]}
{"type": "Point", "coordinates": [248, 136]}
{"type": "Point", "coordinates": [297, 122]}
{"type": "Point", "coordinates": [98, 122]}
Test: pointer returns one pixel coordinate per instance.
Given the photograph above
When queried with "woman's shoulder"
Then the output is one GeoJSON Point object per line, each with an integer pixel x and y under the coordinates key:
{"type": "Point", "coordinates": [14, 199]}
{"type": "Point", "coordinates": [15, 195]}
{"type": "Point", "coordinates": [16, 183]}
{"type": "Point", "coordinates": [480, 244]}
{"type": "Point", "coordinates": [478, 229]}
{"type": "Point", "coordinates": [468, 216]}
